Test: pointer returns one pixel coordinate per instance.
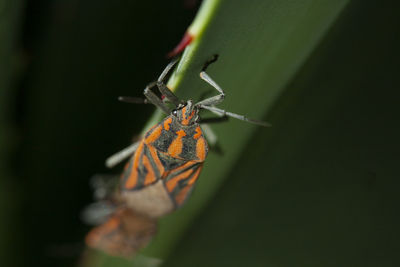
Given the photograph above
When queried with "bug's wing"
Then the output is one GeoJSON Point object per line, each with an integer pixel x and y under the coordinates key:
{"type": "Point", "coordinates": [142, 170]}
{"type": "Point", "coordinates": [104, 187]}
{"type": "Point", "coordinates": [123, 234]}
{"type": "Point", "coordinates": [180, 182]}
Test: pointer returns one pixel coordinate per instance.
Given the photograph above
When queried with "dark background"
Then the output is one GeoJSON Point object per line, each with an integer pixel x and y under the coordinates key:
{"type": "Point", "coordinates": [74, 58]}
{"type": "Point", "coordinates": [70, 61]}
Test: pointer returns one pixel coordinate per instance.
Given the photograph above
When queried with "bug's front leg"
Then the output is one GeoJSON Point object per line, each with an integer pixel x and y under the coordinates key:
{"type": "Point", "coordinates": [164, 90]}
{"type": "Point", "coordinates": [214, 100]}
{"type": "Point", "coordinates": [154, 99]}
{"type": "Point", "coordinates": [104, 194]}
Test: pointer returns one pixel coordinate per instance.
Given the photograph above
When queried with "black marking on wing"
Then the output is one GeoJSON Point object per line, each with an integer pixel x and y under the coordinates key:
{"type": "Point", "coordinates": [169, 162]}
{"type": "Point", "coordinates": [141, 172]}
{"type": "Point", "coordinates": [153, 164]}
{"type": "Point", "coordinates": [126, 173]}
{"type": "Point", "coordinates": [173, 173]}
{"type": "Point", "coordinates": [183, 183]}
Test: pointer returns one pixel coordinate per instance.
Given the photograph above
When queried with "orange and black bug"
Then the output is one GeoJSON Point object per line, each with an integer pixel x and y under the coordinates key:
{"type": "Point", "coordinates": [163, 170]}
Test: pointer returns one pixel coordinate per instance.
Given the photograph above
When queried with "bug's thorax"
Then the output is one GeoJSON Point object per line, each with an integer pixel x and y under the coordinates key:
{"type": "Point", "coordinates": [179, 141]}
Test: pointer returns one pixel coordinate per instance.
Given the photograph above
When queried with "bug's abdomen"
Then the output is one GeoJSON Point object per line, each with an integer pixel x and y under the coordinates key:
{"type": "Point", "coordinates": [124, 233]}
{"type": "Point", "coordinates": [159, 191]}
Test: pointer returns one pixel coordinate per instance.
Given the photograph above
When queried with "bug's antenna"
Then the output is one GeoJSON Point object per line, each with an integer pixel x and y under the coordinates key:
{"type": "Point", "coordinates": [133, 100]}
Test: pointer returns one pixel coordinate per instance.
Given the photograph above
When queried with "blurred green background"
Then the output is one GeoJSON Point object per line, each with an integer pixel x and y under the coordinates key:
{"type": "Point", "coordinates": [319, 188]}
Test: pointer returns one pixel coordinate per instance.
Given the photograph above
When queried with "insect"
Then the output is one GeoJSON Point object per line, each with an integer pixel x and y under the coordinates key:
{"type": "Point", "coordinates": [164, 167]}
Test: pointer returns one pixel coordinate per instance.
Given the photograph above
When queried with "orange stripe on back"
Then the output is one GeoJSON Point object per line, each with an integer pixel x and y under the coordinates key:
{"type": "Point", "coordinates": [133, 176]}
{"type": "Point", "coordinates": [156, 160]}
{"type": "Point", "coordinates": [150, 177]}
{"type": "Point", "coordinates": [172, 182]}
{"type": "Point", "coordinates": [195, 176]}
{"type": "Point", "coordinates": [186, 119]}
{"type": "Point", "coordinates": [176, 146]}
{"type": "Point", "coordinates": [201, 149]}
{"type": "Point", "coordinates": [180, 198]}
{"type": "Point", "coordinates": [155, 134]}
{"type": "Point", "coordinates": [198, 133]}
{"type": "Point", "coordinates": [167, 122]}
{"type": "Point", "coordinates": [183, 194]}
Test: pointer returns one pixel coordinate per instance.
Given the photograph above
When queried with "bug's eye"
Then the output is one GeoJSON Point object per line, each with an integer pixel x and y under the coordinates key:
{"type": "Point", "coordinates": [175, 112]}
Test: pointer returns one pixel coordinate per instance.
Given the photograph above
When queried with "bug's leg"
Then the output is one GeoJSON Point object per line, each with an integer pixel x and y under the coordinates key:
{"type": "Point", "coordinates": [214, 120]}
{"type": "Point", "coordinates": [103, 192]}
{"type": "Point", "coordinates": [98, 212]}
{"type": "Point", "coordinates": [222, 112]}
{"type": "Point", "coordinates": [154, 99]}
{"type": "Point", "coordinates": [103, 186]}
{"type": "Point", "coordinates": [209, 134]}
{"type": "Point", "coordinates": [214, 100]}
{"type": "Point", "coordinates": [164, 90]}
{"type": "Point", "coordinates": [210, 61]}
{"type": "Point", "coordinates": [121, 155]}
{"type": "Point", "coordinates": [212, 138]}
{"type": "Point", "coordinates": [151, 98]}
{"type": "Point", "coordinates": [133, 100]}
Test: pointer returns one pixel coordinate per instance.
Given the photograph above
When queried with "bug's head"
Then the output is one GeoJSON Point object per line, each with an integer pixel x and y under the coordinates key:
{"type": "Point", "coordinates": [186, 114]}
